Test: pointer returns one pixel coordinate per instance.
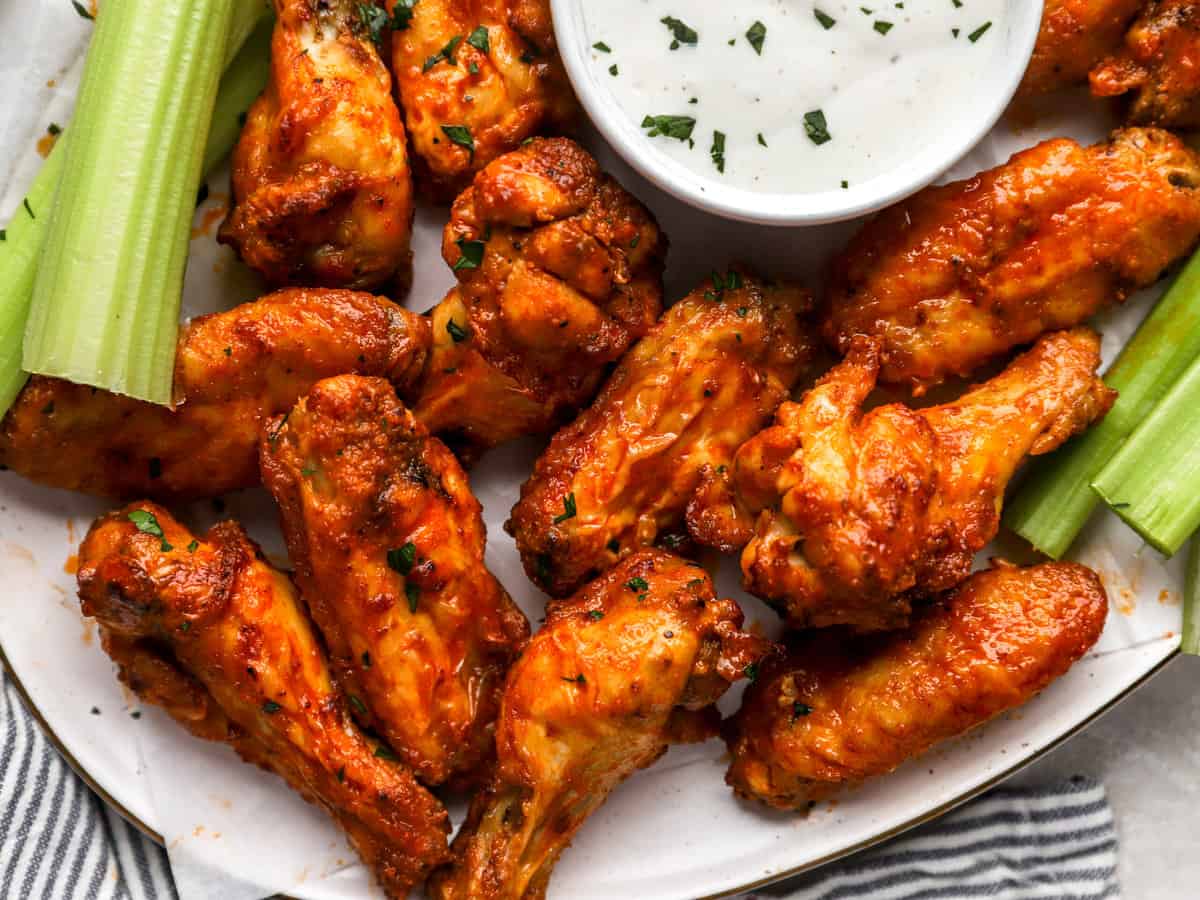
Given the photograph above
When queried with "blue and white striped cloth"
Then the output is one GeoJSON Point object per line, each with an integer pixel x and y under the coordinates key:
{"type": "Point", "coordinates": [58, 840]}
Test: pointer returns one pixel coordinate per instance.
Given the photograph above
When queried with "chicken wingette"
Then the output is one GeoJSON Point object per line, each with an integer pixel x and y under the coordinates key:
{"type": "Point", "coordinates": [388, 543]}
{"type": "Point", "coordinates": [631, 663]}
{"type": "Point", "coordinates": [475, 78]}
{"type": "Point", "coordinates": [206, 629]}
{"type": "Point", "coordinates": [1075, 35]}
{"type": "Point", "coordinates": [847, 512]}
{"type": "Point", "coordinates": [1159, 66]}
{"type": "Point", "coordinates": [704, 380]}
{"type": "Point", "coordinates": [839, 709]}
{"type": "Point", "coordinates": [958, 275]}
{"type": "Point", "coordinates": [233, 371]}
{"type": "Point", "coordinates": [322, 192]}
{"type": "Point", "coordinates": [560, 271]}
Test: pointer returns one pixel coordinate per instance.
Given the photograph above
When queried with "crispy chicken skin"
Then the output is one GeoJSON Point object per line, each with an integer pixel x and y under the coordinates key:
{"type": "Point", "coordinates": [1075, 35]}
{"type": "Point", "coordinates": [960, 274]}
{"type": "Point", "coordinates": [501, 89]}
{"type": "Point", "coordinates": [847, 512]}
{"type": "Point", "coordinates": [1159, 66]}
{"type": "Point", "coordinates": [233, 371]}
{"type": "Point", "coordinates": [628, 665]}
{"type": "Point", "coordinates": [205, 628]}
{"type": "Point", "coordinates": [388, 540]}
{"type": "Point", "coordinates": [700, 384]}
{"type": "Point", "coordinates": [560, 271]}
{"type": "Point", "coordinates": [322, 192]}
{"type": "Point", "coordinates": [838, 709]}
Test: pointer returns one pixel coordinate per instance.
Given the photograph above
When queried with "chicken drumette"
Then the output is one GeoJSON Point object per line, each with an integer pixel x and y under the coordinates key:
{"type": "Point", "coordinates": [701, 383]}
{"type": "Point", "coordinates": [630, 664]}
{"type": "Point", "coordinates": [1075, 35]}
{"type": "Point", "coordinates": [475, 79]}
{"type": "Point", "coordinates": [1159, 66]}
{"type": "Point", "coordinates": [388, 543]}
{"type": "Point", "coordinates": [957, 275]}
{"type": "Point", "coordinates": [206, 629]}
{"type": "Point", "coordinates": [233, 371]}
{"type": "Point", "coordinates": [322, 192]}
{"type": "Point", "coordinates": [838, 709]}
{"type": "Point", "coordinates": [847, 512]}
{"type": "Point", "coordinates": [560, 271]}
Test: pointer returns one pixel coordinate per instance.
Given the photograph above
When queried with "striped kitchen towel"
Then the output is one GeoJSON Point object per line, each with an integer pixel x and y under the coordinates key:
{"type": "Point", "coordinates": [58, 840]}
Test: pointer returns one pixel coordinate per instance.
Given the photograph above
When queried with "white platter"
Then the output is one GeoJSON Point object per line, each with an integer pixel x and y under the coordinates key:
{"type": "Point", "coordinates": [673, 831]}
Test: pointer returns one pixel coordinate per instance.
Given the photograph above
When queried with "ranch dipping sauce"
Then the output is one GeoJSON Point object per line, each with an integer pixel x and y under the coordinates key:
{"type": "Point", "coordinates": [792, 96]}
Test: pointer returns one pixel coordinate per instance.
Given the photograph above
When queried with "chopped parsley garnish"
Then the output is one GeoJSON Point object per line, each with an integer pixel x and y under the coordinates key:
{"type": "Point", "coordinates": [827, 21]}
{"type": "Point", "coordinates": [680, 31]}
{"type": "Point", "coordinates": [81, 9]}
{"type": "Point", "coordinates": [957, 3]}
{"type": "Point", "coordinates": [470, 254]}
{"type": "Point", "coordinates": [357, 705]}
{"type": "Point", "coordinates": [979, 32]}
{"type": "Point", "coordinates": [373, 19]}
{"type": "Point", "coordinates": [383, 752]}
{"type": "Point", "coordinates": [193, 546]}
{"type": "Point", "coordinates": [602, 47]}
{"type": "Point", "coordinates": [457, 332]}
{"type": "Point", "coordinates": [718, 151]}
{"type": "Point", "coordinates": [756, 34]}
{"type": "Point", "coordinates": [473, 68]}
{"type": "Point", "coordinates": [54, 129]}
{"type": "Point", "coordinates": [595, 615]}
{"type": "Point", "coordinates": [954, 31]}
{"type": "Point", "coordinates": [866, 11]}
{"type": "Point", "coordinates": [637, 583]}
{"type": "Point", "coordinates": [308, 471]}
{"type": "Point", "coordinates": [578, 679]}
{"type": "Point", "coordinates": [271, 707]}
{"type": "Point", "coordinates": [402, 14]}
{"type": "Point", "coordinates": [816, 127]}
{"type": "Point", "coordinates": [731, 282]}
{"type": "Point", "coordinates": [678, 127]}
{"type": "Point", "coordinates": [612, 70]}
{"type": "Point", "coordinates": [461, 135]}
{"type": "Point", "coordinates": [751, 672]}
{"type": "Point", "coordinates": [148, 524]}
{"type": "Point", "coordinates": [761, 140]}
{"type": "Point", "coordinates": [800, 709]}
{"type": "Point", "coordinates": [479, 39]}
{"type": "Point", "coordinates": [884, 27]}
{"type": "Point", "coordinates": [845, 185]}
{"type": "Point", "coordinates": [401, 559]}
{"type": "Point", "coordinates": [446, 53]}
{"type": "Point", "coordinates": [568, 509]}
{"type": "Point", "coordinates": [413, 593]}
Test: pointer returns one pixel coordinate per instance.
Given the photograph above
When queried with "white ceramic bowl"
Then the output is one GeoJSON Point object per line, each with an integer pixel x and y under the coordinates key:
{"type": "Point", "coordinates": [1010, 56]}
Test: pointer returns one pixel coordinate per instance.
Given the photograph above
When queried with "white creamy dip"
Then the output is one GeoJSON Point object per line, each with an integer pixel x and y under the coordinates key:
{"type": "Point", "coordinates": [840, 92]}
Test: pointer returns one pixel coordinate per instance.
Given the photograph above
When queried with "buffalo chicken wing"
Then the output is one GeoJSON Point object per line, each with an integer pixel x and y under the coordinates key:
{"type": "Point", "coordinates": [560, 271]}
{"type": "Point", "coordinates": [388, 543]}
{"type": "Point", "coordinates": [1159, 66]}
{"type": "Point", "coordinates": [958, 275]}
{"type": "Point", "coordinates": [233, 371]}
{"type": "Point", "coordinates": [631, 663]}
{"type": "Point", "coordinates": [848, 512]}
{"type": "Point", "coordinates": [1075, 35]}
{"type": "Point", "coordinates": [321, 184]}
{"type": "Point", "coordinates": [839, 709]}
{"type": "Point", "coordinates": [700, 384]}
{"type": "Point", "coordinates": [475, 79]}
{"type": "Point", "coordinates": [205, 628]}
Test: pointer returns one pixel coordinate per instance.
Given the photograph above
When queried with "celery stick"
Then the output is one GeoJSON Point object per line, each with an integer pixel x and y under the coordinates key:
{"type": "Point", "coordinates": [19, 251]}
{"type": "Point", "coordinates": [105, 307]}
{"type": "Point", "coordinates": [1056, 500]}
{"type": "Point", "coordinates": [1153, 481]}
{"type": "Point", "coordinates": [245, 77]}
{"type": "Point", "coordinates": [243, 82]}
{"type": "Point", "coordinates": [1191, 602]}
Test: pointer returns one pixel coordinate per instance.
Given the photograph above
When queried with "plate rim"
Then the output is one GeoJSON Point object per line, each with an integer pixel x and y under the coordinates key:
{"type": "Point", "coordinates": [896, 830]}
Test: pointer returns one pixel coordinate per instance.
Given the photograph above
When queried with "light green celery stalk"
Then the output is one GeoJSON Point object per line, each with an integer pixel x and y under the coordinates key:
{"type": "Point", "coordinates": [105, 308]}
{"type": "Point", "coordinates": [1056, 500]}
{"type": "Point", "coordinates": [1191, 601]}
